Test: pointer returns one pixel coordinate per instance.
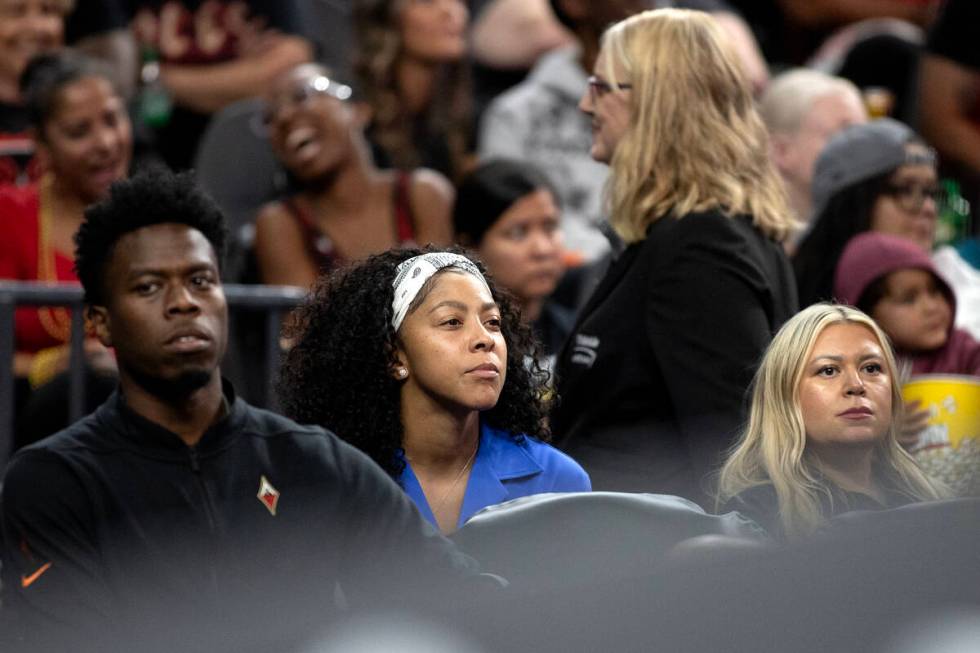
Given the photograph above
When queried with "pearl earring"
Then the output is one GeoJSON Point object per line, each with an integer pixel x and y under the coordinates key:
{"type": "Point", "coordinates": [402, 373]}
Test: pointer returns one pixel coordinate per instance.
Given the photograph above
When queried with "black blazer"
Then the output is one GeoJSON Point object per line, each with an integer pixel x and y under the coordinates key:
{"type": "Point", "coordinates": [653, 379]}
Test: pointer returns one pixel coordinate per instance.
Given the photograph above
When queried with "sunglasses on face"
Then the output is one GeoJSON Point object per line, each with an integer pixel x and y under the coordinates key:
{"type": "Point", "coordinates": [598, 87]}
{"type": "Point", "coordinates": [912, 197]}
{"type": "Point", "coordinates": [302, 94]}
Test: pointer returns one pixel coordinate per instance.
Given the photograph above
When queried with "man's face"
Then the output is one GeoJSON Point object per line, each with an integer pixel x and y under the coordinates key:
{"type": "Point", "coordinates": [796, 154]}
{"type": "Point", "coordinates": [165, 310]}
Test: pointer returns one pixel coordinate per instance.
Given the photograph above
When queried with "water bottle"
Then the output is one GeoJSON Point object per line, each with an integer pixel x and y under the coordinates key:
{"type": "Point", "coordinates": [155, 103]}
{"type": "Point", "coordinates": [953, 224]}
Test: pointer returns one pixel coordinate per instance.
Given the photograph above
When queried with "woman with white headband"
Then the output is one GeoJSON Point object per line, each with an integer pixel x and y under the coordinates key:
{"type": "Point", "coordinates": [415, 358]}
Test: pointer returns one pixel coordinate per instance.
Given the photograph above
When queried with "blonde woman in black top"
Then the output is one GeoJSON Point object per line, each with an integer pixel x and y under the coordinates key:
{"type": "Point", "coordinates": [653, 378]}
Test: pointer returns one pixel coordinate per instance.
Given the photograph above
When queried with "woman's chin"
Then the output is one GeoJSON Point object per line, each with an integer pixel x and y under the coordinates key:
{"type": "Point", "coordinates": [599, 154]}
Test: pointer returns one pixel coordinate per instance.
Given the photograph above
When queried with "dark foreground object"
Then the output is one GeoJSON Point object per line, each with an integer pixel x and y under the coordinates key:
{"type": "Point", "coordinates": [856, 587]}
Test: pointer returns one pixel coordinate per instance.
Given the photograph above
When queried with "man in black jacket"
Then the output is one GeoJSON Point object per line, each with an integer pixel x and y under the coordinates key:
{"type": "Point", "coordinates": [178, 517]}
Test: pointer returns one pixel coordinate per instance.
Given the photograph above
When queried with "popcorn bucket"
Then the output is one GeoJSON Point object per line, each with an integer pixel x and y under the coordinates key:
{"type": "Point", "coordinates": [949, 447]}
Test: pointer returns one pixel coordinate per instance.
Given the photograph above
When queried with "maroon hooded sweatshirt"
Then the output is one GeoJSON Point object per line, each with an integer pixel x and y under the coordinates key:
{"type": "Point", "coordinates": [870, 256]}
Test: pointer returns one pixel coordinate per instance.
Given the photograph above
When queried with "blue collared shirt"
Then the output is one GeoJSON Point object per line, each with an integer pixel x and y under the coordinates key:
{"type": "Point", "coordinates": [505, 470]}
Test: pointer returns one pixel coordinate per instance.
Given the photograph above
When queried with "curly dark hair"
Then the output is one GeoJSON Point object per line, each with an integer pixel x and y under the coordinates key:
{"type": "Point", "coordinates": [338, 372]}
{"type": "Point", "coordinates": [154, 196]}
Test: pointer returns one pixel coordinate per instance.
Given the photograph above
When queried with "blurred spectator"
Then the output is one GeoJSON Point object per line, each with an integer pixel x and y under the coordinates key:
{"type": "Point", "coordinates": [507, 212]}
{"type": "Point", "coordinates": [878, 177]}
{"type": "Point", "coordinates": [822, 433]}
{"type": "Point", "coordinates": [507, 39]}
{"type": "Point", "coordinates": [884, 66]}
{"type": "Point", "coordinates": [895, 282]}
{"type": "Point", "coordinates": [84, 143]}
{"type": "Point", "coordinates": [651, 387]}
{"type": "Point", "coordinates": [949, 95]}
{"type": "Point", "coordinates": [789, 31]}
{"type": "Point", "coordinates": [802, 109]}
{"type": "Point", "coordinates": [513, 34]}
{"type": "Point", "coordinates": [205, 54]}
{"type": "Point", "coordinates": [345, 207]}
{"type": "Point", "coordinates": [412, 73]}
{"type": "Point", "coordinates": [100, 29]}
{"type": "Point", "coordinates": [27, 28]}
{"type": "Point", "coordinates": [538, 121]}
{"type": "Point", "coordinates": [881, 57]}
{"type": "Point", "coordinates": [425, 365]}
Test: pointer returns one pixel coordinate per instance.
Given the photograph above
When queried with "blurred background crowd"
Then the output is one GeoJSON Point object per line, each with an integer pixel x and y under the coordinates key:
{"type": "Point", "coordinates": [658, 200]}
{"type": "Point", "coordinates": [329, 130]}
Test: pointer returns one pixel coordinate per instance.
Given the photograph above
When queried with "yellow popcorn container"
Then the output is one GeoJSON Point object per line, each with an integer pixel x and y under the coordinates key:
{"type": "Point", "coordinates": [954, 402]}
{"type": "Point", "coordinates": [949, 448]}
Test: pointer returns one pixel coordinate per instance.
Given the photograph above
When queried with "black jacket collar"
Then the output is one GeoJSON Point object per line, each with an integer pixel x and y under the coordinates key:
{"type": "Point", "coordinates": [134, 431]}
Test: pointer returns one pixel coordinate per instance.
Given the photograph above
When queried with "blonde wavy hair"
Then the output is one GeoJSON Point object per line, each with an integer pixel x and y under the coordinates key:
{"type": "Point", "coordinates": [695, 140]}
{"type": "Point", "coordinates": [772, 448]}
{"type": "Point", "coordinates": [376, 23]}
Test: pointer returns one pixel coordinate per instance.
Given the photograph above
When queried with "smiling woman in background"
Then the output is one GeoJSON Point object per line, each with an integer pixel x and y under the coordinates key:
{"type": "Point", "coordinates": [84, 144]}
{"type": "Point", "coordinates": [416, 359]}
{"type": "Point", "coordinates": [822, 433]}
{"type": "Point", "coordinates": [345, 208]}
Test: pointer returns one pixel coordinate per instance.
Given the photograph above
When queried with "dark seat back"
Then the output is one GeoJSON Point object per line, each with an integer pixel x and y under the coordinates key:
{"type": "Point", "coordinates": [551, 540]}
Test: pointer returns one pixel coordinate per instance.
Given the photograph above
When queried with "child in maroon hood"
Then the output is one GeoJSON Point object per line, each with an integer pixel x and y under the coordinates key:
{"type": "Point", "coordinates": [894, 281]}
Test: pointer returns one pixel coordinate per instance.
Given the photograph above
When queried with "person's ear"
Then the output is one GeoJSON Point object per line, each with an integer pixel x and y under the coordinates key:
{"type": "Point", "coordinates": [98, 317]}
{"type": "Point", "coordinates": [399, 371]}
{"type": "Point", "coordinates": [781, 150]}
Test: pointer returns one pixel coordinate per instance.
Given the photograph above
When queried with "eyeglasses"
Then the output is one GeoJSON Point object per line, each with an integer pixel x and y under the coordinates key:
{"type": "Point", "coordinates": [301, 94]}
{"type": "Point", "coordinates": [599, 87]}
{"type": "Point", "coordinates": [912, 197]}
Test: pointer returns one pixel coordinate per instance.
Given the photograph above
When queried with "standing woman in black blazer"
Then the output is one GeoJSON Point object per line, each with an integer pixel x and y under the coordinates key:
{"type": "Point", "coordinates": [653, 378]}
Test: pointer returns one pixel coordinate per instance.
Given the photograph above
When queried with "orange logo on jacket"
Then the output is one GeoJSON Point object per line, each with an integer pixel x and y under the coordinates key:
{"type": "Point", "coordinates": [28, 580]}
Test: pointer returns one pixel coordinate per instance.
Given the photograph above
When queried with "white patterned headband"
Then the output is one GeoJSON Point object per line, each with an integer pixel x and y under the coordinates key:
{"type": "Point", "coordinates": [411, 275]}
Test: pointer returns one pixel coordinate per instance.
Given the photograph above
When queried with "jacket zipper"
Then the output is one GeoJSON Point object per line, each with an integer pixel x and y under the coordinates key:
{"type": "Point", "coordinates": [209, 511]}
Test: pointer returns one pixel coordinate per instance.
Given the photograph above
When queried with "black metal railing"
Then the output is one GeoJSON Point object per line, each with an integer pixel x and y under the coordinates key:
{"type": "Point", "coordinates": [273, 301]}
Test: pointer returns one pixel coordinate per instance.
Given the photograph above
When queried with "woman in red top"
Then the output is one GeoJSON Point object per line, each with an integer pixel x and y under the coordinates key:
{"type": "Point", "coordinates": [84, 140]}
{"type": "Point", "coordinates": [346, 208]}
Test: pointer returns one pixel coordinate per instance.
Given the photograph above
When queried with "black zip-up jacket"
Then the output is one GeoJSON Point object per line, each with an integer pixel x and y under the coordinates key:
{"type": "Point", "coordinates": [118, 534]}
